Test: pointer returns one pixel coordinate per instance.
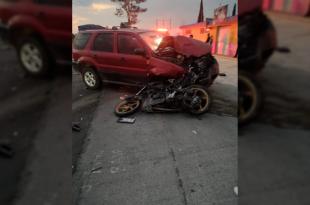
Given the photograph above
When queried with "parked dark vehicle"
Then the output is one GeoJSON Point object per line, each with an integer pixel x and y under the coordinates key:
{"type": "Point", "coordinates": [257, 41]}
{"type": "Point", "coordinates": [135, 56]}
{"type": "Point", "coordinates": [39, 30]}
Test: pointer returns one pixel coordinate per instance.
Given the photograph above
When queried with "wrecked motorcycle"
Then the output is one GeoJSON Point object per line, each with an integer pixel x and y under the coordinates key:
{"type": "Point", "coordinates": [257, 41]}
{"type": "Point", "coordinates": [187, 93]}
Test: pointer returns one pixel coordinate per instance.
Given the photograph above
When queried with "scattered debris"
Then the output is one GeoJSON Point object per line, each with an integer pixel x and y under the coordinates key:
{"type": "Point", "coordinates": [126, 120]}
{"type": "Point", "coordinates": [236, 190]}
{"type": "Point", "coordinates": [195, 132]}
{"type": "Point", "coordinates": [76, 127]}
{"type": "Point", "coordinates": [283, 49]}
{"type": "Point", "coordinates": [96, 170]}
{"type": "Point", "coordinates": [192, 190]}
{"type": "Point", "coordinates": [6, 150]}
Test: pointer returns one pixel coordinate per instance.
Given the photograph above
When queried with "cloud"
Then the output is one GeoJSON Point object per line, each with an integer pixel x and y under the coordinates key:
{"type": "Point", "coordinates": [78, 20]}
{"type": "Point", "coordinates": [101, 6]}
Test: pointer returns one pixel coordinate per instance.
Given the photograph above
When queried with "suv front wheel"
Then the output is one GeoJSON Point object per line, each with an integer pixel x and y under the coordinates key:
{"type": "Point", "coordinates": [91, 78]}
{"type": "Point", "coordinates": [33, 57]}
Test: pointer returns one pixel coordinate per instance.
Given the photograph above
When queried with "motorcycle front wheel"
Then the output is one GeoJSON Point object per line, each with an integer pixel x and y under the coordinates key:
{"type": "Point", "coordinates": [250, 98]}
{"type": "Point", "coordinates": [200, 100]}
{"type": "Point", "coordinates": [127, 107]}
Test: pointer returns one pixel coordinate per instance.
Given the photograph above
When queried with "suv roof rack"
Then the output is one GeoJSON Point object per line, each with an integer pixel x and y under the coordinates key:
{"type": "Point", "coordinates": [90, 27]}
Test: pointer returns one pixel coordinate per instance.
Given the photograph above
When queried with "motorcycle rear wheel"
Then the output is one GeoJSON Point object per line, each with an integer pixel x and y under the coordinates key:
{"type": "Point", "coordinates": [204, 97]}
{"type": "Point", "coordinates": [127, 107]}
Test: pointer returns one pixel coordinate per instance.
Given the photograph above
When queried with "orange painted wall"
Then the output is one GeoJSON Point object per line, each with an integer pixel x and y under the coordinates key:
{"type": "Point", "coordinates": [225, 36]}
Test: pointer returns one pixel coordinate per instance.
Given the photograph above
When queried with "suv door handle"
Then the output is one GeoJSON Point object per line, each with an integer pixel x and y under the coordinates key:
{"type": "Point", "coordinates": [95, 55]}
{"type": "Point", "coordinates": [123, 59]}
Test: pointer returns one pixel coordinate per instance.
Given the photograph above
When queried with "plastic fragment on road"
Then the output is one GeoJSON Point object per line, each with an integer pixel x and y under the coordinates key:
{"type": "Point", "coordinates": [6, 150]}
{"type": "Point", "coordinates": [126, 120]}
{"type": "Point", "coordinates": [195, 132]}
{"type": "Point", "coordinates": [76, 127]}
{"type": "Point", "coordinates": [236, 190]}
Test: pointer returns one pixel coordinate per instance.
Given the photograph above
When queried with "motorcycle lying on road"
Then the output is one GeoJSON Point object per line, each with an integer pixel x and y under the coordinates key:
{"type": "Point", "coordinates": [187, 93]}
{"type": "Point", "coordinates": [257, 41]}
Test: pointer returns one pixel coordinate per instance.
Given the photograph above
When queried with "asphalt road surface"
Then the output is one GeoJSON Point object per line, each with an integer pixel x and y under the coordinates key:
{"type": "Point", "coordinates": [168, 159]}
{"type": "Point", "coordinates": [274, 150]}
{"type": "Point", "coordinates": [35, 121]}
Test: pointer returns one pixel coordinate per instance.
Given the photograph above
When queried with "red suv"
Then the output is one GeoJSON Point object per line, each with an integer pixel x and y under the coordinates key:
{"type": "Point", "coordinates": [40, 30]}
{"type": "Point", "coordinates": [128, 56]}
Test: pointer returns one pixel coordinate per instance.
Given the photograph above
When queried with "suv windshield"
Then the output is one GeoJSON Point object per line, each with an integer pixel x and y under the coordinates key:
{"type": "Point", "coordinates": [152, 39]}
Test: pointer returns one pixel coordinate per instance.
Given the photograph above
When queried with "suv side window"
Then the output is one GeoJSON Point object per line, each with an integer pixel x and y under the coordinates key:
{"type": "Point", "coordinates": [81, 40]}
{"type": "Point", "coordinates": [127, 44]}
{"type": "Point", "coordinates": [104, 42]}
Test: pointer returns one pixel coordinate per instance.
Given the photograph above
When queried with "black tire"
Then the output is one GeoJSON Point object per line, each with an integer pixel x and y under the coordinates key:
{"type": "Point", "coordinates": [249, 98]}
{"type": "Point", "coordinates": [122, 113]}
{"type": "Point", "coordinates": [34, 57]}
{"type": "Point", "coordinates": [91, 78]}
{"type": "Point", "coordinates": [205, 103]}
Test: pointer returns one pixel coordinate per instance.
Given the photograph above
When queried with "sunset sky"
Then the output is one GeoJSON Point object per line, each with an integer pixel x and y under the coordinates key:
{"type": "Point", "coordinates": [179, 11]}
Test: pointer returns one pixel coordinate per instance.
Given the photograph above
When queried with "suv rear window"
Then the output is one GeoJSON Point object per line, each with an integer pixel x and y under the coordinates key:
{"type": "Point", "coordinates": [80, 40]}
{"type": "Point", "coordinates": [104, 42]}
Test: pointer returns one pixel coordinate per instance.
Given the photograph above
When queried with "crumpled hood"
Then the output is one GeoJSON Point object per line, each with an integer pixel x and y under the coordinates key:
{"type": "Point", "coordinates": [190, 47]}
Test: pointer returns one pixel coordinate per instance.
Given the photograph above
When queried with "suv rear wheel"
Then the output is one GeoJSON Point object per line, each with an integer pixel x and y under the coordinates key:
{"type": "Point", "coordinates": [91, 78]}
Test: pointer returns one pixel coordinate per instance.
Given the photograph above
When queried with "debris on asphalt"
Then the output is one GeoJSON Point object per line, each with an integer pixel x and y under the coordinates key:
{"type": "Point", "coordinates": [96, 170]}
{"type": "Point", "coordinates": [236, 190]}
{"type": "Point", "coordinates": [126, 120]}
{"type": "Point", "coordinates": [195, 132]}
{"type": "Point", "coordinates": [76, 127]}
{"type": "Point", "coordinates": [6, 150]}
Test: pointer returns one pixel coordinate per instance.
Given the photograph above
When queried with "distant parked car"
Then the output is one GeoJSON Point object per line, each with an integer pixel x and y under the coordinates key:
{"type": "Point", "coordinates": [40, 30]}
{"type": "Point", "coordinates": [133, 56]}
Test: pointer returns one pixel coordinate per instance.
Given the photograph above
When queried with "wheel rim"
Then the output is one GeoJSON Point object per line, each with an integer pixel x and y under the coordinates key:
{"type": "Point", "coordinates": [90, 79]}
{"type": "Point", "coordinates": [247, 95]}
{"type": "Point", "coordinates": [202, 95]}
{"type": "Point", "coordinates": [31, 57]}
{"type": "Point", "coordinates": [127, 106]}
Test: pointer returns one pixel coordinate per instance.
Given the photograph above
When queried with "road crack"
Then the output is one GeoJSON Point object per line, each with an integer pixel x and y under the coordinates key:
{"type": "Point", "coordinates": [180, 181]}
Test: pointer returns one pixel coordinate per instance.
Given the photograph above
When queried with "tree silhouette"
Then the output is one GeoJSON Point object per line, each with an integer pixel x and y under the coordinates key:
{"type": "Point", "coordinates": [131, 8]}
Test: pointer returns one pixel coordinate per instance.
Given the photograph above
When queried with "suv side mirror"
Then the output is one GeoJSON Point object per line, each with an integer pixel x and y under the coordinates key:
{"type": "Point", "coordinates": [140, 52]}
